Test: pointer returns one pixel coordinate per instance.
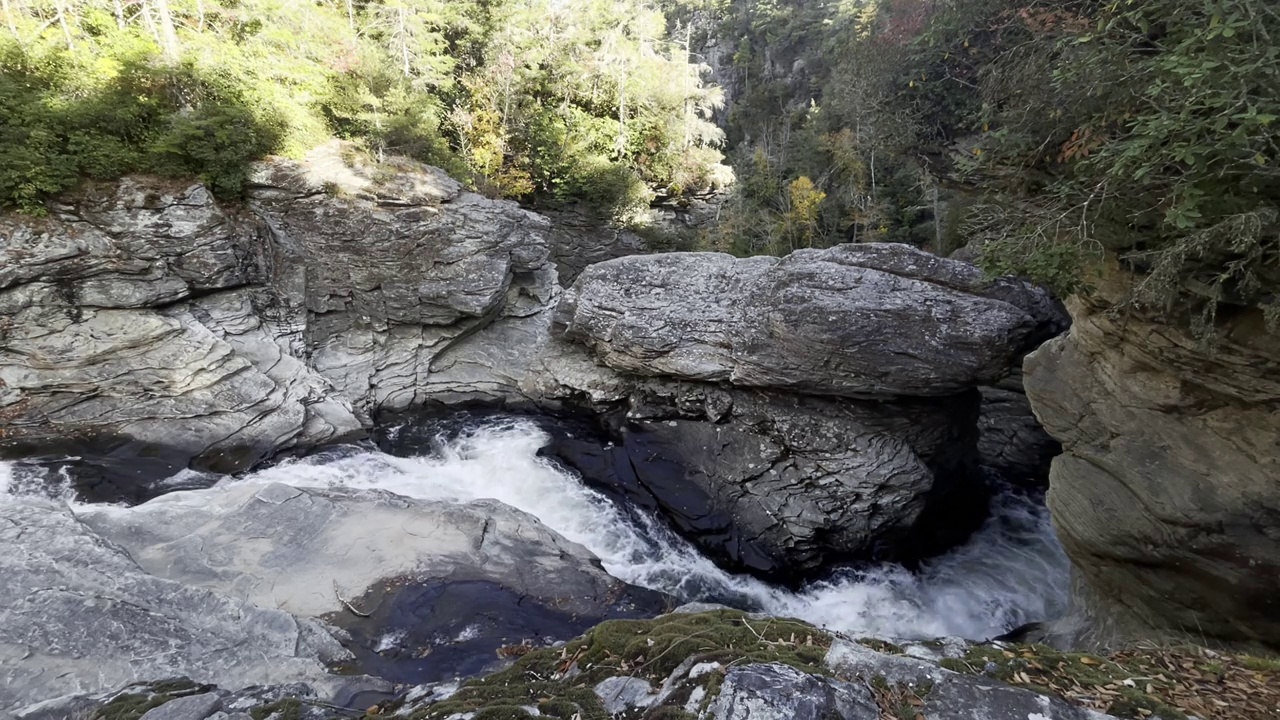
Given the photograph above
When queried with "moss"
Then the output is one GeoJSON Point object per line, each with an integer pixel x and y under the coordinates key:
{"type": "Point", "coordinates": [1260, 664]}
{"type": "Point", "coordinates": [129, 706]}
{"type": "Point", "coordinates": [286, 709]}
{"type": "Point", "coordinates": [503, 712]}
{"type": "Point", "coordinates": [1134, 702]}
{"type": "Point", "coordinates": [648, 649]}
{"type": "Point", "coordinates": [881, 646]}
{"type": "Point", "coordinates": [180, 685]}
{"type": "Point", "coordinates": [1078, 676]}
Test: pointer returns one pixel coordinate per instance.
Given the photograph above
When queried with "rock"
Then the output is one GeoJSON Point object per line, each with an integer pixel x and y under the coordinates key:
{"type": "Point", "coordinates": [948, 695]}
{"type": "Point", "coordinates": [581, 236]}
{"type": "Point", "coordinates": [455, 580]}
{"type": "Point", "coordinates": [1166, 497]}
{"type": "Point", "coordinates": [781, 485]}
{"type": "Point", "coordinates": [620, 694]}
{"type": "Point", "coordinates": [143, 318]}
{"type": "Point", "coordinates": [391, 289]}
{"type": "Point", "coordinates": [853, 320]}
{"type": "Point", "coordinates": [781, 692]}
{"type": "Point", "coordinates": [192, 707]}
{"type": "Point", "coordinates": [104, 334]}
{"type": "Point", "coordinates": [79, 615]}
{"type": "Point", "coordinates": [1010, 439]}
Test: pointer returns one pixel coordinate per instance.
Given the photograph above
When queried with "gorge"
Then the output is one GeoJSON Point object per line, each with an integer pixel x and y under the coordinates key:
{"type": "Point", "coordinates": [579, 454]}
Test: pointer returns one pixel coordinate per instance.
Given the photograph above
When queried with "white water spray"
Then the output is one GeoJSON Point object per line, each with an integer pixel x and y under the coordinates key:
{"type": "Point", "coordinates": [1012, 571]}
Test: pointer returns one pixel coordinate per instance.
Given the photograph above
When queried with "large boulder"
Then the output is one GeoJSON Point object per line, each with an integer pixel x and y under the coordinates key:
{"type": "Point", "coordinates": [783, 485]}
{"type": "Point", "coordinates": [790, 413]}
{"type": "Point", "coordinates": [1166, 497]}
{"type": "Point", "coordinates": [852, 320]}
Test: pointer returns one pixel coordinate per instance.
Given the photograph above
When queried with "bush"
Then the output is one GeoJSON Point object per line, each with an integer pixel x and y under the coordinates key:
{"type": "Point", "coordinates": [135, 116]}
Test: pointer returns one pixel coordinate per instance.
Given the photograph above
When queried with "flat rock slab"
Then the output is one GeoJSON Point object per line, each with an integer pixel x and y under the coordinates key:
{"type": "Point", "coordinates": [426, 590]}
{"type": "Point", "coordinates": [852, 320]}
{"type": "Point", "coordinates": [79, 615]}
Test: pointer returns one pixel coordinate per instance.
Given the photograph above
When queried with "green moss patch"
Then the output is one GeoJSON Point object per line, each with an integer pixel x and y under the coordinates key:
{"type": "Point", "coordinates": [131, 706]}
{"type": "Point", "coordinates": [559, 681]}
{"type": "Point", "coordinates": [1173, 683]}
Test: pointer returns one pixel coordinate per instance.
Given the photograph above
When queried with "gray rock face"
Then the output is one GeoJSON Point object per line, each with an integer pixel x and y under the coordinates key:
{"type": "Point", "coordinates": [1010, 439]}
{"type": "Point", "coordinates": [781, 692]}
{"type": "Point", "coordinates": [192, 707]}
{"type": "Point", "coordinates": [143, 310]}
{"type": "Point", "coordinates": [104, 332]}
{"type": "Point", "coordinates": [391, 286]}
{"type": "Point", "coordinates": [620, 694]}
{"type": "Point", "coordinates": [774, 483]}
{"type": "Point", "coordinates": [952, 696]}
{"type": "Point", "coordinates": [1166, 496]}
{"type": "Point", "coordinates": [853, 320]}
{"type": "Point", "coordinates": [78, 615]}
{"type": "Point", "coordinates": [290, 548]}
{"type": "Point", "coordinates": [226, 586]}
{"type": "Point", "coordinates": [579, 237]}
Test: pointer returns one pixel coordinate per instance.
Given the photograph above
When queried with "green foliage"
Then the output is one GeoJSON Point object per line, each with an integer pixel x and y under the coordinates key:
{"type": "Point", "coordinates": [1144, 129]}
{"type": "Point", "coordinates": [550, 101]}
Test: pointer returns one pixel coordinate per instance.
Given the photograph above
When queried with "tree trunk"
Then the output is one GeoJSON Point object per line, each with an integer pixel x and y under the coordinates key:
{"type": "Point", "coordinates": [200, 15]}
{"type": "Point", "coordinates": [62, 22]}
{"type": "Point", "coordinates": [351, 16]}
{"type": "Point", "coordinates": [404, 41]}
{"type": "Point", "coordinates": [168, 34]}
{"type": "Point", "coordinates": [119, 10]}
{"type": "Point", "coordinates": [8, 16]}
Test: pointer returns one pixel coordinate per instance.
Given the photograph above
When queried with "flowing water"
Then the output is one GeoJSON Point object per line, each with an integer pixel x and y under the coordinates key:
{"type": "Point", "coordinates": [1010, 572]}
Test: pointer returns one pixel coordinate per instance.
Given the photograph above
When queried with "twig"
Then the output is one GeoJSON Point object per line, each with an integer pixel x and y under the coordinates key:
{"type": "Point", "coordinates": [346, 602]}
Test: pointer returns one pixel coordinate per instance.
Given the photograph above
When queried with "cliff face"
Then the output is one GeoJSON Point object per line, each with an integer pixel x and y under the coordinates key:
{"type": "Point", "coordinates": [213, 334]}
{"type": "Point", "coordinates": [1167, 496]}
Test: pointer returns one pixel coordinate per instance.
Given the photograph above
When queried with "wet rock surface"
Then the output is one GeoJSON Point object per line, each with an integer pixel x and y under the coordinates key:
{"type": "Point", "coordinates": [78, 614]}
{"type": "Point", "coordinates": [783, 487]}
{"type": "Point", "coordinates": [252, 583]}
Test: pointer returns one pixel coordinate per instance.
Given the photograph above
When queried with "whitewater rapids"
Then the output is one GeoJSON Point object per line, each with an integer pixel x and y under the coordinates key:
{"type": "Point", "coordinates": [1011, 572]}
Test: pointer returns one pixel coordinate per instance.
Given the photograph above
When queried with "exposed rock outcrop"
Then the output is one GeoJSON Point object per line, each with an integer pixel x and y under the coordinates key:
{"type": "Point", "coordinates": [144, 312]}
{"type": "Point", "coordinates": [782, 485]}
{"type": "Point", "coordinates": [853, 320]}
{"type": "Point", "coordinates": [788, 413]}
{"type": "Point", "coordinates": [241, 585]}
{"type": "Point", "coordinates": [77, 615]}
{"type": "Point", "coordinates": [1166, 497]}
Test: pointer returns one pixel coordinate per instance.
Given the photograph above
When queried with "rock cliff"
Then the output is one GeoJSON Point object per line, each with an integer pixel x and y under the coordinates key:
{"type": "Point", "coordinates": [143, 312]}
{"type": "Point", "coordinates": [789, 412]}
{"type": "Point", "coordinates": [1167, 497]}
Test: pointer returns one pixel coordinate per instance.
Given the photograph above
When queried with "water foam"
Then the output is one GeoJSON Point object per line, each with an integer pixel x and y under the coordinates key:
{"type": "Point", "coordinates": [1011, 572]}
{"type": "Point", "coordinates": [19, 478]}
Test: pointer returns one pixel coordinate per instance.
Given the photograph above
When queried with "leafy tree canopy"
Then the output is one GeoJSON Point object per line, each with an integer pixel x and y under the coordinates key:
{"type": "Point", "coordinates": [545, 100]}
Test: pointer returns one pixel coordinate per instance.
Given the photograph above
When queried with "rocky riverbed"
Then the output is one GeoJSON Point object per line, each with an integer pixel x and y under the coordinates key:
{"type": "Point", "coordinates": [351, 436]}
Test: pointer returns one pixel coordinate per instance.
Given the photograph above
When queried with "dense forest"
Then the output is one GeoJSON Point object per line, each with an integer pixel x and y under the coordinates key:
{"type": "Point", "coordinates": [1046, 135]}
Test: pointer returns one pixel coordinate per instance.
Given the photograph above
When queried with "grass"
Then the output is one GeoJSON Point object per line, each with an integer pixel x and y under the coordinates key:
{"type": "Point", "coordinates": [559, 681]}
